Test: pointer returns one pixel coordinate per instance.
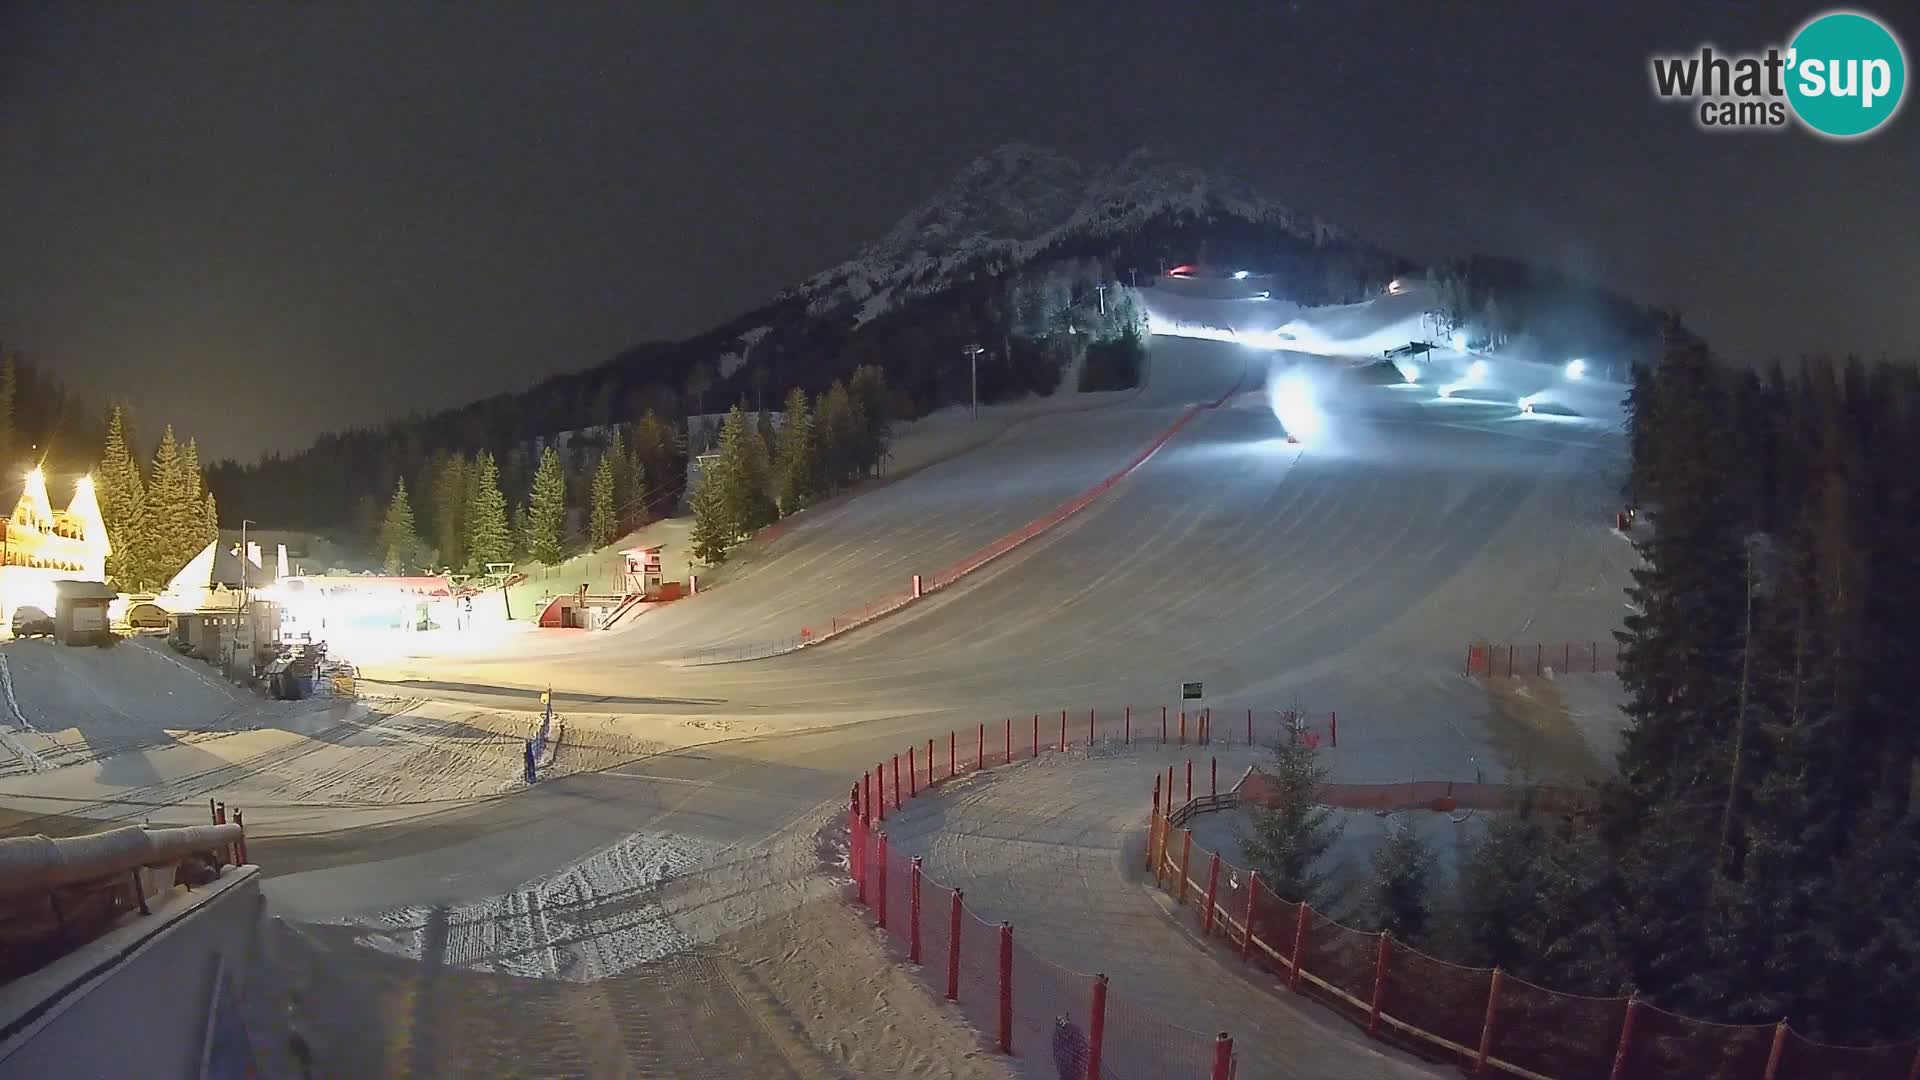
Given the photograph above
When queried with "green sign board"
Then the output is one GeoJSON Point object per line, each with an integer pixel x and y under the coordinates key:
{"type": "Point", "coordinates": [1189, 691]}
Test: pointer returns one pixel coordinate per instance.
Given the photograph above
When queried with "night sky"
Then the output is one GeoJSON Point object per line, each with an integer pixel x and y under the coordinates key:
{"type": "Point", "coordinates": [261, 222]}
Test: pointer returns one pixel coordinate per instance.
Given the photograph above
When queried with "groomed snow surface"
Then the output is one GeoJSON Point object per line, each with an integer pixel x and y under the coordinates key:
{"type": "Point", "coordinates": [1346, 571]}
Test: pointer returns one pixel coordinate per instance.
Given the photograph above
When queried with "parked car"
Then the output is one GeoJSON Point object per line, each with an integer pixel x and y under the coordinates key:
{"type": "Point", "coordinates": [31, 622]}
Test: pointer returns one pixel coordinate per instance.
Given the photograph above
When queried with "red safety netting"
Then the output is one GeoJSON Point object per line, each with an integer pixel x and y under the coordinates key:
{"type": "Point", "coordinates": [1512, 659]}
{"type": "Point", "coordinates": [1275, 922]}
{"type": "Point", "coordinates": [1444, 1000]}
{"type": "Point", "coordinates": [1141, 1046]}
{"type": "Point", "coordinates": [1230, 903]}
{"type": "Point", "coordinates": [1565, 1036]}
{"type": "Point", "coordinates": [1804, 1059]}
{"type": "Point", "coordinates": [1342, 957]}
{"type": "Point", "coordinates": [1664, 1044]}
{"type": "Point", "coordinates": [1044, 995]}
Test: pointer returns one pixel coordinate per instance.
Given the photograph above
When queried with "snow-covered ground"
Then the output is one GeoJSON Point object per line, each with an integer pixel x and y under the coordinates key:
{"type": "Point", "coordinates": [1053, 845]}
{"type": "Point", "coordinates": [1346, 572]}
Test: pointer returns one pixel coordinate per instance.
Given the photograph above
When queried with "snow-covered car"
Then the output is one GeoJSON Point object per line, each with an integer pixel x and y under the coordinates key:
{"type": "Point", "coordinates": [31, 622]}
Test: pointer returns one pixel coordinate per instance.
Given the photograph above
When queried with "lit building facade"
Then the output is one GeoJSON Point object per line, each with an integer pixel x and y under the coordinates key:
{"type": "Point", "coordinates": [41, 545]}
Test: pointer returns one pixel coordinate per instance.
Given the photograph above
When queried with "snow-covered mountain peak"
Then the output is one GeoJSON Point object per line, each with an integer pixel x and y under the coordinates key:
{"type": "Point", "coordinates": [1018, 201]}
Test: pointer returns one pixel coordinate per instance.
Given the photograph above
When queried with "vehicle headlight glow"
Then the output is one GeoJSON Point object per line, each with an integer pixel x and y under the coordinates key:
{"type": "Point", "coordinates": [1477, 370]}
{"type": "Point", "coordinates": [1239, 275]}
{"type": "Point", "coordinates": [1576, 369]}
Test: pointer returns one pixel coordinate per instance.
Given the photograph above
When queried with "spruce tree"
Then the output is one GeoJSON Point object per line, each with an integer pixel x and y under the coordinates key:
{"type": "Point", "coordinates": [451, 496]}
{"type": "Point", "coordinates": [838, 429]}
{"type": "Point", "coordinates": [1681, 662]}
{"type": "Point", "coordinates": [546, 526]}
{"type": "Point", "coordinates": [745, 475]}
{"type": "Point", "coordinates": [398, 541]}
{"type": "Point", "coordinates": [713, 532]}
{"type": "Point", "coordinates": [489, 539]}
{"type": "Point", "coordinates": [626, 507]}
{"type": "Point", "coordinates": [873, 406]}
{"type": "Point", "coordinates": [1286, 836]}
{"type": "Point", "coordinates": [209, 522]}
{"type": "Point", "coordinates": [1402, 879]}
{"type": "Point", "coordinates": [174, 510]}
{"type": "Point", "coordinates": [797, 464]}
{"type": "Point", "coordinates": [121, 493]}
{"type": "Point", "coordinates": [605, 522]}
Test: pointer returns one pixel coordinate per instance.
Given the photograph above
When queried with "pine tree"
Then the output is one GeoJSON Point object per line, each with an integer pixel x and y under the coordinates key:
{"type": "Point", "coordinates": [546, 526]}
{"type": "Point", "coordinates": [656, 462]}
{"type": "Point", "coordinates": [797, 464]}
{"type": "Point", "coordinates": [1286, 836]}
{"type": "Point", "coordinates": [837, 428]}
{"type": "Point", "coordinates": [397, 539]}
{"type": "Point", "coordinates": [488, 537]}
{"type": "Point", "coordinates": [175, 509]}
{"type": "Point", "coordinates": [873, 406]}
{"type": "Point", "coordinates": [209, 522]}
{"type": "Point", "coordinates": [745, 476]}
{"type": "Point", "coordinates": [713, 533]}
{"type": "Point", "coordinates": [605, 522]}
{"type": "Point", "coordinates": [451, 497]}
{"type": "Point", "coordinates": [626, 508]}
{"type": "Point", "coordinates": [122, 496]}
{"type": "Point", "coordinates": [1402, 879]}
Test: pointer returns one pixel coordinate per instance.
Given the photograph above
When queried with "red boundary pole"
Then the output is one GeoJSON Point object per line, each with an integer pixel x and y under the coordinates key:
{"type": "Point", "coordinates": [1777, 1051]}
{"type": "Point", "coordinates": [896, 781]}
{"type": "Point", "coordinates": [1379, 982]}
{"type": "Point", "coordinates": [1183, 727]}
{"type": "Point", "coordinates": [1486, 1027]}
{"type": "Point", "coordinates": [880, 789]}
{"type": "Point", "coordinates": [1333, 728]}
{"type": "Point", "coordinates": [953, 948]}
{"type": "Point", "coordinates": [1299, 945]}
{"type": "Point", "coordinates": [856, 847]}
{"type": "Point", "coordinates": [1249, 727]}
{"type": "Point", "coordinates": [1213, 891]}
{"type": "Point", "coordinates": [913, 776]}
{"type": "Point", "coordinates": [1626, 1039]}
{"type": "Point", "coordinates": [1222, 1057]}
{"type": "Point", "coordinates": [953, 740]}
{"type": "Point", "coordinates": [1006, 988]}
{"type": "Point", "coordinates": [1163, 725]}
{"type": "Point", "coordinates": [1189, 779]}
{"type": "Point", "coordinates": [1186, 862]}
{"type": "Point", "coordinates": [1009, 760]}
{"type": "Point", "coordinates": [1213, 781]}
{"type": "Point", "coordinates": [980, 751]}
{"type": "Point", "coordinates": [1063, 731]}
{"type": "Point", "coordinates": [1090, 728]}
{"type": "Point", "coordinates": [1036, 734]}
{"type": "Point", "coordinates": [1253, 894]}
{"type": "Point", "coordinates": [913, 914]}
{"type": "Point", "coordinates": [880, 892]}
{"type": "Point", "coordinates": [929, 762]}
{"type": "Point", "coordinates": [1126, 731]}
{"type": "Point", "coordinates": [1096, 1026]}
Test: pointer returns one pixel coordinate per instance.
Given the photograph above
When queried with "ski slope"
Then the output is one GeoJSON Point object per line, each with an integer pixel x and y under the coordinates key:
{"type": "Point", "coordinates": [1346, 571]}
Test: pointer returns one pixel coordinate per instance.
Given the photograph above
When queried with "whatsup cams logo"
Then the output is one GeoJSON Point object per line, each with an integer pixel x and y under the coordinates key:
{"type": "Point", "coordinates": [1842, 75]}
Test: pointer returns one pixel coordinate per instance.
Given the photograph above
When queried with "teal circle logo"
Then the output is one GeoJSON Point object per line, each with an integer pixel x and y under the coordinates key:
{"type": "Point", "coordinates": [1846, 74]}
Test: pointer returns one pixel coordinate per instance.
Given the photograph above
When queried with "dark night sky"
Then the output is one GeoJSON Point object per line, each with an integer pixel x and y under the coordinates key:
{"type": "Point", "coordinates": [261, 222]}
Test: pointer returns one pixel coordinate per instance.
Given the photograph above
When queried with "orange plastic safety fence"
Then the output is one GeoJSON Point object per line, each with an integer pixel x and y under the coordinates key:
{"type": "Point", "coordinates": [1564, 1036]}
{"type": "Point", "coordinates": [1340, 956]}
{"type": "Point", "coordinates": [1442, 999]}
{"type": "Point", "coordinates": [1804, 1059]}
{"type": "Point", "coordinates": [1665, 1044]}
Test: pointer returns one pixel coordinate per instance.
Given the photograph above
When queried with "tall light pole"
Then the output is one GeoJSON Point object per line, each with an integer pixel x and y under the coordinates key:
{"type": "Point", "coordinates": [973, 354]}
